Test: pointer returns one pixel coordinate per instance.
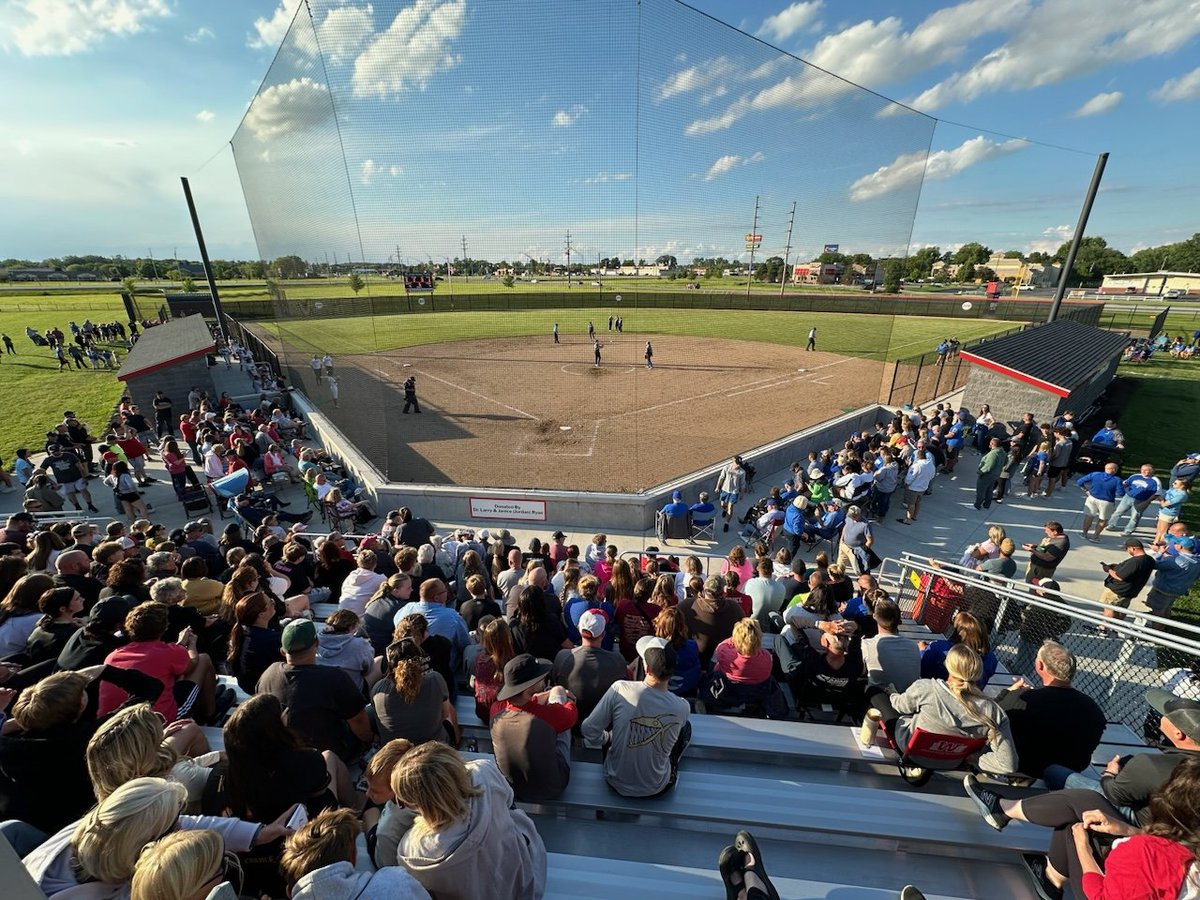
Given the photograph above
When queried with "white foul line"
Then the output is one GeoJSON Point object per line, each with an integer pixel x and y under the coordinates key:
{"type": "Point", "coordinates": [520, 412]}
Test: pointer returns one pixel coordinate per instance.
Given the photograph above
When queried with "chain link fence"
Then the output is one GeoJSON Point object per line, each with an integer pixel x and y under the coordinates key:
{"type": "Point", "coordinates": [1118, 660]}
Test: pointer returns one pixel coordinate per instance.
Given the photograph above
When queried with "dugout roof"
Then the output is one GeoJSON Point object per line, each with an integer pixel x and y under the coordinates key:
{"type": "Point", "coordinates": [1057, 357]}
{"type": "Point", "coordinates": [167, 344]}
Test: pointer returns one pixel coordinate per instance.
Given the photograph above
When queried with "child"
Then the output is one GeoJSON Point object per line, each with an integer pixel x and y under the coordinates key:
{"type": "Point", "coordinates": [382, 812]}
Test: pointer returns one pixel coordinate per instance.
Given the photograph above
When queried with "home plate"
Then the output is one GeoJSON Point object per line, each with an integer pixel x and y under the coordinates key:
{"type": "Point", "coordinates": [802, 370]}
{"type": "Point", "coordinates": [408, 365]}
{"type": "Point", "coordinates": [564, 427]}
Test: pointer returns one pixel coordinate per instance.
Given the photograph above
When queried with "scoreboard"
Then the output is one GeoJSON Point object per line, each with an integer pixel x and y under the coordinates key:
{"type": "Point", "coordinates": [418, 281]}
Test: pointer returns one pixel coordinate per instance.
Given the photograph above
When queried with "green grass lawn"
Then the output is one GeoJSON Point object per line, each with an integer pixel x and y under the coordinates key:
{"type": "Point", "coordinates": [877, 337]}
{"type": "Point", "coordinates": [1160, 425]}
{"type": "Point", "coordinates": [35, 394]}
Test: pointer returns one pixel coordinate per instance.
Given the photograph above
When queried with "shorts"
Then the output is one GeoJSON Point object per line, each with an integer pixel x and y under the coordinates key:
{"type": "Point", "coordinates": [912, 499]}
{"type": "Point", "coordinates": [128, 498]}
{"type": "Point", "coordinates": [1169, 518]}
{"type": "Point", "coordinates": [1055, 471]}
{"type": "Point", "coordinates": [729, 497]}
{"type": "Point", "coordinates": [186, 694]}
{"type": "Point", "coordinates": [72, 487]}
{"type": "Point", "coordinates": [1101, 509]}
{"type": "Point", "coordinates": [1108, 598]}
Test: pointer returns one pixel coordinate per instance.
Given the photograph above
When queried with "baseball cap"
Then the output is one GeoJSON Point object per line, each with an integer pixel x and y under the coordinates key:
{"type": "Point", "coordinates": [193, 526]}
{"type": "Point", "coordinates": [1185, 543]}
{"type": "Point", "coordinates": [649, 641]}
{"type": "Point", "coordinates": [82, 529]}
{"type": "Point", "coordinates": [1046, 584]}
{"type": "Point", "coordinates": [108, 614]}
{"type": "Point", "coordinates": [592, 623]}
{"type": "Point", "coordinates": [676, 495]}
{"type": "Point", "coordinates": [658, 656]}
{"type": "Point", "coordinates": [1183, 714]}
{"type": "Point", "coordinates": [300, 634]}
{"type": "Point", "coordinates": [484, 534]}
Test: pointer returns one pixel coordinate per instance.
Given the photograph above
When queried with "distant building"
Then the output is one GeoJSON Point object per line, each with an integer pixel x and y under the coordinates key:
{"type": "Point", "coordinates": [1153, 284]}
{"type": "Point", "coordinates": [1025, 273]}
{"type": "Point", "coordinates": [817, 272]}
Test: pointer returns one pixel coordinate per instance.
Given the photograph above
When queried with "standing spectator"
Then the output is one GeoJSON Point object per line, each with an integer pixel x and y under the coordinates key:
{"type": "Point", "coordinates": [1125, 580]}
{"type": "Point", "coordinates": [1052, 722]}
{"type": "Point", "coordinates": [1036, 468]}
{"type": "Point", "coordinates": [1102, 490]}
{"type": "Point", "coordinates": [1170, 507]}
{"type": "Point", "coordinates": [1060, 460]}
{"type": "Point", "coordinates": [854, 547]}
{"type": "Point", "coordinates": [730, 485]}
{"type": "Point", "coordinates": [163, 415]}
{"type": "Point", "coordinates": [531, 733]}
{"type": "Point", "coordinates": [1176, 569]}
{"type": "Point", "coordinates": [589, 671]}
{"type": "Point", "coordinates": [917, 481]}
{"type": "Point", "coordinates": [991, 464]}
{"type": "Point", "coordinates": [1048, 553]}
{"type": "Point", "coordinates": [1140, 490]}
{"type": "Point", "coordinates": [644, 727]}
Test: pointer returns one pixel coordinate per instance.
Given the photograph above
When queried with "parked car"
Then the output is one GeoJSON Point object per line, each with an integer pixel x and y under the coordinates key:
{"type": "Point", "coordinates": [1175, 294]}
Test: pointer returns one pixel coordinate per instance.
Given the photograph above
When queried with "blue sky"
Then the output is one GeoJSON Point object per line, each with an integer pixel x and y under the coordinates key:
{"type": "Point", "coordinates": [459, 117]}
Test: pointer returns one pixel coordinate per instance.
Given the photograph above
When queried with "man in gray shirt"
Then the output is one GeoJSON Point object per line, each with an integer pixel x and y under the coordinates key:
{"type": "Point", "coordinates": [643, 727]}
{"type": "Point", "coordinates": [589, 671]}
{"type": "Point", "coordinates": [765, 593]}
{"type": "Point", "coordinates": [890, 658]}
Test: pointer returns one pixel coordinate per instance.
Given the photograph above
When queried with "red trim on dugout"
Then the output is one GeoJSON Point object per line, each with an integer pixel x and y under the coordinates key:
{"type": "Point", "coordinates": [1013, 373]}
{"type": "Point", "coordinates": [138, 373]}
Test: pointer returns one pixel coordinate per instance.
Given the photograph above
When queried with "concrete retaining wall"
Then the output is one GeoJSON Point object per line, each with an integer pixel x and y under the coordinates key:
{"type": "Point", "coordinates": [586, 509]}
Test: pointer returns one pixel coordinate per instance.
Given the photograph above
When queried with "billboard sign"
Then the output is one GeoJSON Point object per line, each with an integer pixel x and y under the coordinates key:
{"type": "Point", "coordinates": [831, 248]}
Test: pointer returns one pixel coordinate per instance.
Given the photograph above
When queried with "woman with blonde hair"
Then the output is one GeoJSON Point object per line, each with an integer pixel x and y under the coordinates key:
{"type": "Point", "coordinates": [984, 550]}
{"type": "Point", "coordinates": [741, 657]}
{"type": "Point", "coordinates": [133, 743]}
{"type": "Point", "coordinates": [969, 629]}
{"type": "Point", "coordinates": [952, 706]}
{"type": "Point", "coordinates": [488, 676]}
{"type": "Point", "coordinates": [588, 597]}
{"type": "Point", "coordinates": [243, 582]}
{"type": "Point", "coordinates": [664, 594]}
{"type": "Point", "coordinates": [469, 840]}
{"type": "Point", "coordinates": [186, 865]}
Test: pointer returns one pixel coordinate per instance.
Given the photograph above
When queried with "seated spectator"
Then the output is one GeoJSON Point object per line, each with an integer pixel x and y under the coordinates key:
{"type": "Point", "coordinates": [952, 706]}
{"type": "Point", "coordinates": [703, 512]}
{"type": "Point", "coordinates": [766, 594]}
{"type": "Point", "coordinates": [99, 636]}
{"type": "Point", "coordinates": [478, 604]}
{"type": "Point", "coordinates": [1053, 724]}
{"type": "Point", "coordinates": [772, 516]}
{"type": "Point", "coordinates": [19, 612]}
{"type": "Point", "coordinates": [468, 840]}
{"type": "Point", "coordinates": [442, 621]}
{"type": "Point", "coordinates": [43, 771]}
{"type": "Point", "coordinates": [890, 658]}
{"type": "Point", "coordinates": [644, 727]}
{"type": "Point", "coordinates": [830, 673]}
{"type": "Point", "coordinates": [343, 647]}
{"type": "Point", "coordinates": [737, 561]}
{"type": "Point", "coordinates": [379, 617]}
{"type": "Point", "coordinates": [319, 862]}
{"type": "Point", "coordinates": [531, 732]}
{"type": "Point", "coordinates": [60, 610]}
{"type": "Point", "coordinates": [127, 579]}
{"type": "Point", "coordinates": [710, 618]}
{"type": "Point", "coordinates": [74, 570]}
{"type": "Point", "coordinates": [676, 508]}
{"type": "Point", "coordinates": [535, 630]}
{"type": "Point", "coordinates": [741, 657]}
{"type": "Point", "coordinates": [732, 592]}
{"type": "Point", "coordinates": [203, 593]}
{"type": "Point", "coordinates": [321, 704]}
{"type": "Point", "coordinates": [184, 865]}
{"type": "Point", "coordinates": [412, 701]}
{"type": "Point", "coordinates": [970, 630]}
{"type": "Point", "coordinates": [487, 677]}
{"type": "Point", "coordinates": [588, 671]}
{"type": "Point", "coordinates": [671, 625]}
{"type": "Point", "coordinates": [361, 584]}
{"type": "Point", "coordinates": [384, 820]}
{"type": "Point", "coordinates": [188, 678]}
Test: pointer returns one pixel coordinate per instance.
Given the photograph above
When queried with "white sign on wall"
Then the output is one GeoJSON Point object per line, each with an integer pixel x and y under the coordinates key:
{"type": "Point", "coordinates": [514, 510]}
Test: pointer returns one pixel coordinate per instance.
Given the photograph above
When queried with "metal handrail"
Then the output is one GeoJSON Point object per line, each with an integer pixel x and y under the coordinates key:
{"type": "Point", "coordinates": [1082, 608]}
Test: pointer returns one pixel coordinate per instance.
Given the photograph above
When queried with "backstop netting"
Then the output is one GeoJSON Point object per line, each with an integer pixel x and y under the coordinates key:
{"type": "Point", "coordinates": [547, 166]}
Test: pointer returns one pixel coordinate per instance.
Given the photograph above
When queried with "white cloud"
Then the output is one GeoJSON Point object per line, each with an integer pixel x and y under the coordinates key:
{"type": "Point", "coordinates": [875, 55]}
{"type": "Point", "coordinates": [367, 170]}
{"type": "Point", "coordinates": [24, 147]}
{"type": "Point", "coordinates": [203, 33]}
{"type": "Point", "coordinates": [415, 47]}
{"type": "Point", "coordinates": [1052, 238]}
{"type": "Point", "coordinates": [1099, 104]}
{"type": "Point", "coordinates": [395, 171]}
{"type": "Point", "coordinates": [1185, 87]}
{"type": "Point", "coordinates": [908, 169]}
{"type": "Point", "coordinates": [565, 118]}
{"type": "Point", "coordinates": [205, 116]}
{"type": "Point", "coordinates": [344, 31]}
{"type": "Point", "coordinates": [789, 20]}
{"type": "Point", "coordinates": [606, 177]}
{"type": "Point", "coordinates": [269, 33]}
{"type": "Point", "coordinates": [1063, 39]}
{"type": "Point", "coordinates": [289, 106]}
{"type": "Point", "coordinates": [66, 27]}
{"type": "Point", "coordinates": [729, 162]}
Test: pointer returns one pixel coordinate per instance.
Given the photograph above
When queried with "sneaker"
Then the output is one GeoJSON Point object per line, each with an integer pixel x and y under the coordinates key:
{"type": "Point", "coordinates": [987, 801]}
{"type": "Point", "coordinates": [91, 508]}
{"type": "Point", "coordinates": [1036, 864]}
{"type": "Point", "coordinates": [904, 521]}
{"type": "Point", "coordinates": [725, 527]}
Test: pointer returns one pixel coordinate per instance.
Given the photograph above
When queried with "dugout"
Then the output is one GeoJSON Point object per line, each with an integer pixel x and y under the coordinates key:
{"type": "Point", "coordinates": [1048, 370]}
{"type": "Point", "coordinates": [173, 358]}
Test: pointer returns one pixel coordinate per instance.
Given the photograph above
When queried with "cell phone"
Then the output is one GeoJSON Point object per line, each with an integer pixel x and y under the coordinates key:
{"type": "Point", "coordinates": [1104, 566]}
{"type": "Point", "coordinates": [297, 818]}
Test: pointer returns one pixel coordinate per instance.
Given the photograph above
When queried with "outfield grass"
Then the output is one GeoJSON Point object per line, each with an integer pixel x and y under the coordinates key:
{"type": "Point", "coordinates": [1160, 426]}
{"type": "Point", "coordinates": [876, 337]}
{"type": "Point", "coordinates": [36, 394]}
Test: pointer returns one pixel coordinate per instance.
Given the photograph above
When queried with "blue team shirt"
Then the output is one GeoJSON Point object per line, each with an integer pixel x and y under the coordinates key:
{"type": "Point", "coordinates": [1102, 486]}
{"type": "Point", "coordinates": [1105, 436]}
{"type": "Point", "coordinates": [677, 508]}
{"type": "Point", "coordinates": [1141, 488]}
{"type": "Point", "coordinates": [1175, 573]}
{"type": "Point", "coordinates": [1172, 502]}
{"type": "Point", "coordinates": [702, 513]}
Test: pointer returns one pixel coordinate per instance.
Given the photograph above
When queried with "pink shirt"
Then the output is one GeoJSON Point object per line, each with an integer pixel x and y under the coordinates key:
{"type": "Point", "coordinates": [158, 659]}
{"type": "Point", "coordinates": [745, 571]}
{"type": "Point", "coordinates": [742, 669]}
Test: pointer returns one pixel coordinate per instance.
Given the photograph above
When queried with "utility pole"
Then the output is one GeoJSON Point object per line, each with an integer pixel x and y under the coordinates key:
{"type": "Point", "coordinates": [787, 253]}
{"type": "Point", "coordinates": [599, 273]}
{"type": "Point", "coordinates": [153, 267]}
{"type": "Point", "coordinates": [751, 243]}
{"type": "Point", "coordinates": [568, 258]}
{"type": "Point", "coordinates": [326, 263]}
{"type": "Point", "coordinates": [466, 265]}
